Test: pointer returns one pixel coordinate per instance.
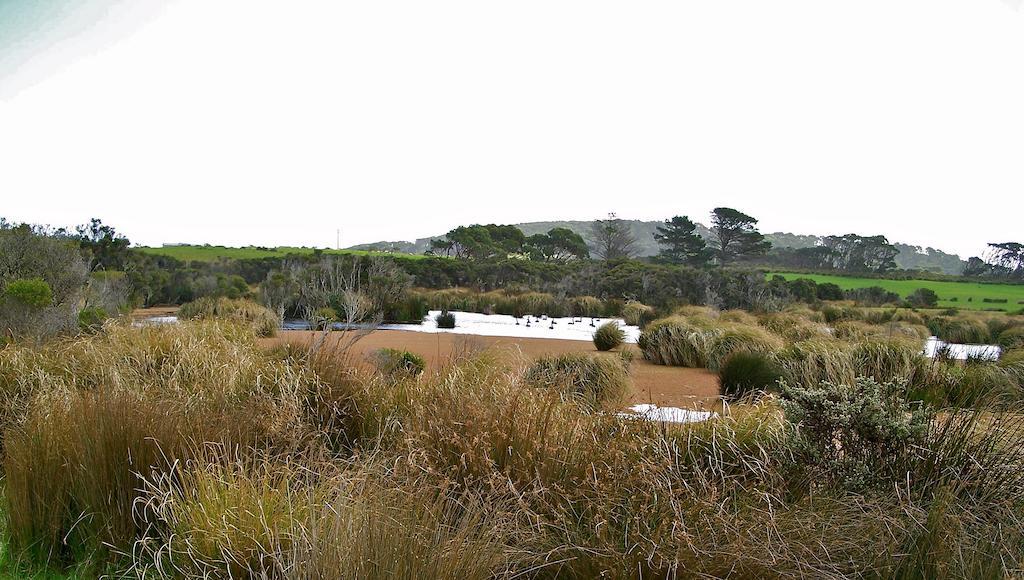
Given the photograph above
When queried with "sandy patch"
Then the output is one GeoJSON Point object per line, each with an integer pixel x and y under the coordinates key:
{"type": "Point", "coordinates": [659, 385]}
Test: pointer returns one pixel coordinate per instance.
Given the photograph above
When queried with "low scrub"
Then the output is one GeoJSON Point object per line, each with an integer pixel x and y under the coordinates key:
{"type": "Point", "coordinates": [858, 435]}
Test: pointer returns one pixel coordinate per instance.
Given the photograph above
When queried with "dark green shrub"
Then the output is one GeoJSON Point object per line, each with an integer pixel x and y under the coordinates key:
{"type": "Point", "coordinates": [323, 318]}
{"type": "Point", "coordinates": [829, 291]}
{"type": "Point", "coordinates": [923, 298]}
{"type": "Point", "coordinates": [743, 373]}
{"type": "Point", "coordinates": [396, 362]}
{"type": "Point", "coordinates": [609, 336]}
{"type": "Point", "coordinates": [445, 319]}
{"type": "Point", "coordinates": [411, 309]}
{"type": "Point", "coordinates": [871, 296]}
{"type": "Point", "coordinates": [33, 292]}
{"type": "Point", "coordinates": [596, 379]}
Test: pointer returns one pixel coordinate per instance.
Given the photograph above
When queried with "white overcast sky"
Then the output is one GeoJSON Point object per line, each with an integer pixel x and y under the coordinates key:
{"type": "Point", "coordinates": [275, 123]}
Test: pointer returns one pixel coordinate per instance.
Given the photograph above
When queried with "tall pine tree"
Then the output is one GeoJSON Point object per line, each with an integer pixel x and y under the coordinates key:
{"type": "Point", "coordinates": [680, 243]}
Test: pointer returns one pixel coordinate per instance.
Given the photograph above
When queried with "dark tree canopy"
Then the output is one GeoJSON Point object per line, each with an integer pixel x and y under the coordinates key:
{"type": "Point", "coordinates": [107, 248]}
{"type": "Point", "coordinates": [480, 242]}
{"type": "Point", "coordinates": [680, 243]}
{"type": "Point", "coordinates": [853, 253]}
{"type": "Point", "coordinates": [614, 239]}
{"type": "Point", "coordinates": [558, 245]}
{"type": "Point", "coordinates": [735, 236]}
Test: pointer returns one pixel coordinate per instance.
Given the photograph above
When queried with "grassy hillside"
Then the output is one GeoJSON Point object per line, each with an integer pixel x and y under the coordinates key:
{"type": "Point", "coordinates": [968, 295]}
{"type": "Point", "coordinates": [214, 253]}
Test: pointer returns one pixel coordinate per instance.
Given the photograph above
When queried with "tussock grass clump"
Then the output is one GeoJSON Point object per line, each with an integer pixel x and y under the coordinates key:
{"type": "Point", "coordinates": [609, 336]}
{"type": "Point", "coordinates": [702, 342]}
{"type": "Point", "coordinates": [395, 362]}
{"type": "Point", "coordinates": [733, 338]}
{"type": "Point", "coordinates": [890, 360]}
{"type": "Point", "coordinates": [676, 341]}
{"type": "Point", "coordinates": [877, 315]}
{"type": "Point", "coordinates": [804, 311]}
{"type": "Point", "coordinates": [586, 306]}
{"type": "Point", "coordinates": [210, 364]}
{"type": "Point", "coordinates": [84, 417]}
{"type": "Point", "coordinates": [1012, 362]}
{"type": "Point", "coordinates": [813, 362]}
{"type": "Point", "coordinates": [691, 311]}
{"type": "Point", "coordinates": [907, 330]}
{"type": "Point", "coordinates": [744, 373]}
{"type": "Point", "coordinates": [960, 330]}
{"type": "Point", "coordinates": [738, 317]}
{"type": "Point", "coordinates": [854, 330]}
{"type": "Point", "coordinates": [834, 313]}
{"type": "Point", "coordinates": [637, 314]}
{"type": "Point", "coordinates": [909, 317]}
{"type": "Point", "coordinates": [261, 318]}
{"type": "Point", "coordinates": [1011, 338]}
{"type": "Point", "coordinates": [597, 380]}
{"type": "Point", "coordinates": [73, 471]}
{"type": "Point", "coordinates": [793, 327]}
{"type": "Point", "coordinates": [266, 519]}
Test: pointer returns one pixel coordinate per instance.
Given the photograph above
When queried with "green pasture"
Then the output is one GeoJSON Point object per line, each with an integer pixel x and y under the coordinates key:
{"type": "Point", "coordinates": [966, 295]}
{"type": "Point", "coordinates": [214, 253]}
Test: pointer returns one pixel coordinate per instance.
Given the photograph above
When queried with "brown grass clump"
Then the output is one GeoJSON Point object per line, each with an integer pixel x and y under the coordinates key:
{"type": "Point", "coordinates": [637, 314]}
{"type": "Point", "coordinates": [702, 342]}
{"type": "Point", "coordinates": [262, 320]}
{"type": "Point", "coordinates": [793, 328]}
{"type": "Point", "coordinates": [599, 381]}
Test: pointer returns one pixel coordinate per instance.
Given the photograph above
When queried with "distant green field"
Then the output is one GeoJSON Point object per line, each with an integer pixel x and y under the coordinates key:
{"type": "Point", "coordinates": [214, 253]}
{"type": "Point", "coordinates": [968, 295]}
